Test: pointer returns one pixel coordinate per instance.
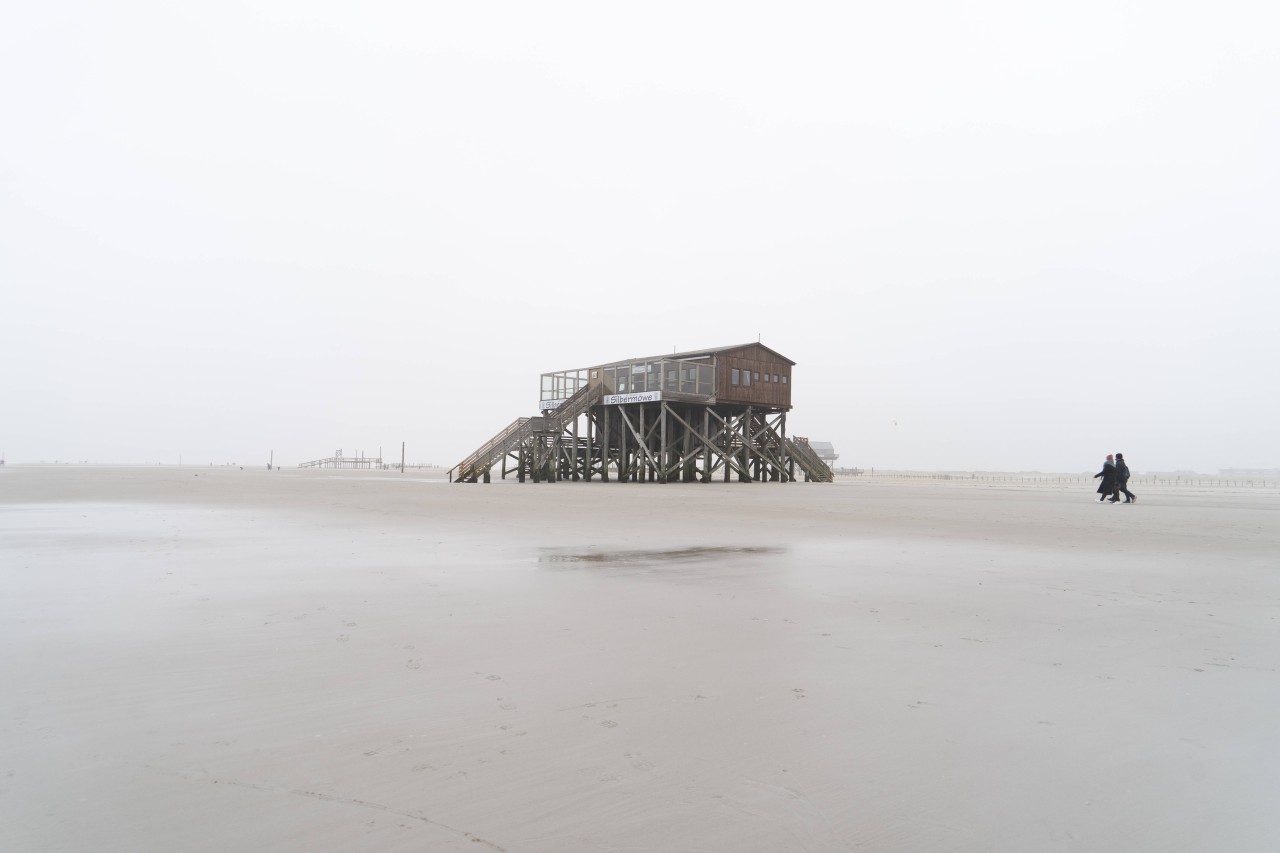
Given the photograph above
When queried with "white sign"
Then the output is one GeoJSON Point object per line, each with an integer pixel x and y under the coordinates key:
{"type": "Point", "coordinates": [549, 404]}
{"type": "Point", "coordinates": [642, 397]}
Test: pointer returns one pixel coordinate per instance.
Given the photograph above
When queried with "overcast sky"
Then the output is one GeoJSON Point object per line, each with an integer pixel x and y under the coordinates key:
{"type": "Point", "coordinates": [1002, 236]}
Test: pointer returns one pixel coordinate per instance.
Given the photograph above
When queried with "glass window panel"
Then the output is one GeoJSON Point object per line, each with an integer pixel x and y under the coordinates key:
{"type": "Point", "coordinates": [734, 376]}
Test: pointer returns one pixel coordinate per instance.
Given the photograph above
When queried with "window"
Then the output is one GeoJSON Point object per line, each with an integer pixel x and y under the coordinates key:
{"type": "Point", "coordinates": [746, 377]}
{"type": "Point", "coordinates": [775, 377]}
{"type": "Point", "coordinates": [755, 374]}
{"type": "Point", "coordinates": [735, 374]}
{"type": "Point", "coordinates": [784, 379]}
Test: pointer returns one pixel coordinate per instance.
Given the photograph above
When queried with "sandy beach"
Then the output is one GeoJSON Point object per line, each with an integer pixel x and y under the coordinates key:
{"type": "Point", "coordinates": [222, 659]}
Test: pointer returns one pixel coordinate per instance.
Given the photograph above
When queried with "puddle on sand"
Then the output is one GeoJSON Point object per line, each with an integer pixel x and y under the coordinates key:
{"type": "Point", "coordinates": [648, 556]}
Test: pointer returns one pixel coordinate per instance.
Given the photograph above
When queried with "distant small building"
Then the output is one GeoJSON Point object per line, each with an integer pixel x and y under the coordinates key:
{"type": "Point", "coordinates": [826, 452]}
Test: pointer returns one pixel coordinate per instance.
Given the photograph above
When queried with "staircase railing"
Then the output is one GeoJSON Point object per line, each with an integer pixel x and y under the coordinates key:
{"type": "Point", "coordinates": [809, 461]}
{"type": "Point", "coordinates": [519, 430]}
{"type": "Point", "coordinates": [493, 449]}
{"type": "Point", "coordinates": [577, 405]}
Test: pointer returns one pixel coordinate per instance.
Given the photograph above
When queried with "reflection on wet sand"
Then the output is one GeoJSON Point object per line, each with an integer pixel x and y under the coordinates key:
{"type": "Point", "coordinates": [662, 555]}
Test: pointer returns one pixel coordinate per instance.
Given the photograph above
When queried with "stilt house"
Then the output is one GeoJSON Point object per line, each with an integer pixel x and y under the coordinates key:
{"type": "Point", "coordinates": [684, 417]}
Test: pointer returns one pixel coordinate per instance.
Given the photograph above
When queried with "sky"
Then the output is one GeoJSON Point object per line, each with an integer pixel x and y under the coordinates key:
{"type": "Point", "coordinates": [992, 235]}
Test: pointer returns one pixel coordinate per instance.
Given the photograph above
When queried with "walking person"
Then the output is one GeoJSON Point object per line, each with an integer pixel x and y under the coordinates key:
{"type": "Point", "coordinates": [1122, 481]}
{"type": "Point", "coordinates": [1108, 475]}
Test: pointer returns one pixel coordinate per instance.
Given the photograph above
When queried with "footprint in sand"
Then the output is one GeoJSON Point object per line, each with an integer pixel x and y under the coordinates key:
{"type": "Point", "coordinates": [413, 664]}
{"type": "Point", "coordinates": [609, 724]}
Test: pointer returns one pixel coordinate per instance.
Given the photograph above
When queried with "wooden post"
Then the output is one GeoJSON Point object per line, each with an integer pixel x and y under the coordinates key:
{"type": "Point", "coordinates": [689, 450]}
{"type": "Point", "coordinates": [664, 455]}
{"type": "Point", "coordinates": [728, 447]}
{"type": "Point", "coordinates": [638, 456]}
{"type": "Point", "coordinates": [605, 438]}
{"type": "Point", "coordinates": [574, 463]}
{"type": "Point", "coordinates": [624, 464]}
{"type": "Point", "coordinates": [706, 452]}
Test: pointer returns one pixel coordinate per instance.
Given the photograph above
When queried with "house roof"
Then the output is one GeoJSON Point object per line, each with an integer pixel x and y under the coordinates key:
{"type": "Point", "coordinates": [702, 353]}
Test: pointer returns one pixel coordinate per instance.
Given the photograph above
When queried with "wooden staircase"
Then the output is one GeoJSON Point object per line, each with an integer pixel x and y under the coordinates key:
{"type": "Point", "coordinates": [815, 470]}
{"type": "Point", "coordinates": [522, 430]}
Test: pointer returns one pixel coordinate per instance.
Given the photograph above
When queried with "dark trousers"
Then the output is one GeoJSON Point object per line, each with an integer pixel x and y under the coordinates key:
{"type": "Point", "coordinates": [1122, 486]}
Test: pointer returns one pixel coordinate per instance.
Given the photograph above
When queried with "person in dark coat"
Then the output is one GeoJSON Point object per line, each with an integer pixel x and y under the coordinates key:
{"type": "Point", "coordinates": [1108, 475]}
{"type": "Point", "coordinates": [1122, 481]}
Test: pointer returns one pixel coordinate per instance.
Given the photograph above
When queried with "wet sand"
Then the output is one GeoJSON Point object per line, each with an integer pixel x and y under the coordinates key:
{"type": "Point", "coordinates": [216, 659]}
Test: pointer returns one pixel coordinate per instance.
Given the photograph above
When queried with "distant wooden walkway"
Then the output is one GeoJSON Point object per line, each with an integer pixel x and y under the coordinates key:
{"type": "Point", "coordinates": [340, 461]}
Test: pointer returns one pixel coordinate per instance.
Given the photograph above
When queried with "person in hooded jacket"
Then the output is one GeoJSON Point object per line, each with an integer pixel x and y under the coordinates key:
{"type": "Point", "coordinates": [1122, 481]}
{"type": "Point", "coordinates": [1108, 475]}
